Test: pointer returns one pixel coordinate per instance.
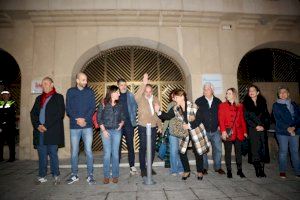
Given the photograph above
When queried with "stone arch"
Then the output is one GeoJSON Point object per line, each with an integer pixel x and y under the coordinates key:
{"type": "Point", "coordinates": [134, 41]}
{"type": "Point", "coordinates": [282, 70]}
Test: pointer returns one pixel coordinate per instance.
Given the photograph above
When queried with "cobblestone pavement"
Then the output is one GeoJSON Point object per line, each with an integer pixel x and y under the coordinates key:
{"type": "Point", "coordinates": [17, 181]}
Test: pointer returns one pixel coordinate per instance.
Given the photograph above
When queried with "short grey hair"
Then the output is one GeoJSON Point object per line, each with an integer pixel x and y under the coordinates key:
{"type": "Point", "coordinates": [209, 84]}
{"type": "Point", "coordinates": [282, 88]}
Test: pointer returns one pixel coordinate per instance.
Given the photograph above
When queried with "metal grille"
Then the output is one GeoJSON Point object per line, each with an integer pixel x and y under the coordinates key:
{"type": "Point", "coordinates": [282, 66]}
{"type": "Point", "coordinates": [131, 63]}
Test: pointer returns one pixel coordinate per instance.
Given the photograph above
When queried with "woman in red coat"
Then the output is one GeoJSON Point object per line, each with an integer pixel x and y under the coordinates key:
{"type": "Point", "coordinates": [233, 128]}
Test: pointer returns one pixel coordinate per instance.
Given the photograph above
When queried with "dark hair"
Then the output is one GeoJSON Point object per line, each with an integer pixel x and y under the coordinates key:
{"type": "Point", "coordinates": [121, 80]}
{"type": "Point", "coordinates": [180, 92]}
{"type": "Point", "coordinates": [248, 102]}
{"type": "Point", "coordinates": [110, 90]}
{"type": "Point", "coordinates": [171, 95]}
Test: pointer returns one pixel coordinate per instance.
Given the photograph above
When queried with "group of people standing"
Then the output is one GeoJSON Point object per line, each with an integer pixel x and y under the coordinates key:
{"type": "Point", "coordinates": [230, 122]}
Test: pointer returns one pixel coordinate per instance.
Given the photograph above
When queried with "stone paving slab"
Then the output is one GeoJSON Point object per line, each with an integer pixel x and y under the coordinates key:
{"type": "Point", "coordinates": [17, 182]}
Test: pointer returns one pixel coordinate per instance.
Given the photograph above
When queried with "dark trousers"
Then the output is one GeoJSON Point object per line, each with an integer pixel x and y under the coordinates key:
{"type": "Point", "coordinates": [7, 135]}
{"type": "Point", "coordinates": [143, 145]}
{"type": "Point", "coordinates": [185, 161]}
{"type": "Point", "coordinates": [257, 141]}
{"type": "Point", "coordinates": [128, 133]}
{"type": "Point", "coordinates": [238, 153]}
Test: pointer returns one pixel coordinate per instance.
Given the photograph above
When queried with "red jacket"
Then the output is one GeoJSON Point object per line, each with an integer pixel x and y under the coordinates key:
{"type": "Point", "coordinates": [226, 115]}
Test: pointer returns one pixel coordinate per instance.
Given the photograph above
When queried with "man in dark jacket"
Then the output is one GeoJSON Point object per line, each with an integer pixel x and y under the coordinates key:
{"type": "Point", "coordinates": [48, 129]}
{"type": "Point", "coordinates": [80, 106]}
{"type": "Point", "coordinates": [129, 106]}
{"type": "Point", "coordinates": [208, 108]}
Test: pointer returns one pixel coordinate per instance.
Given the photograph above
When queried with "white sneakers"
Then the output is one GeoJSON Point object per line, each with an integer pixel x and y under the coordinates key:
{"type": "Point", "coordinates": [133, 170]}
{"type": "Point", "coordinates": [41, 180]}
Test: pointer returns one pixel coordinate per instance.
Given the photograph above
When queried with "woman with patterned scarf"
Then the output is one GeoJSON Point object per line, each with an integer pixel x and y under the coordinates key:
{"type": "Point", "coordinates": [184, 111]}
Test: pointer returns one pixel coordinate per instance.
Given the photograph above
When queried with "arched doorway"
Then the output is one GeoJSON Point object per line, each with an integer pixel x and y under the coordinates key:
{"type": "Point", "coordinates": [269, 68]}
{"type": "Point", "coordinates": [10, 79]}
{"type": "Point", "coordinates": [130, 63]}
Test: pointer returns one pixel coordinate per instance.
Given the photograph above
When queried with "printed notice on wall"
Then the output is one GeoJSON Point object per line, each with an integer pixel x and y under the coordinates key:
{"type": "Point", "coordinates": [36, 86]}
{"type": "Point", "coordinates": [216, 80]}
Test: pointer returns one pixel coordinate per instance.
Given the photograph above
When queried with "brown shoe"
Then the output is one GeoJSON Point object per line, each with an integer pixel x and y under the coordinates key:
{"type": "Point", "coordinates": [106, 180]}
{"type": "Point", "coordinates": [220, 171]}
{"type": "Point", "coordinates": [115, 180]}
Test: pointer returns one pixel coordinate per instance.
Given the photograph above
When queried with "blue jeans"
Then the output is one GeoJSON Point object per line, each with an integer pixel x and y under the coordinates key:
{"type": "Point", "coordinates": [87, 137]}
{"type": "Point", "coordinates": [43, 152]}
{"type": "Point", "coordinates": [176, 165]}
{"type": "Point", "coordinates": [111, 147]}
{"type": "Point", "coordinates": [216, 142]}
{"type": "Point", "coordinates": [286, 142]}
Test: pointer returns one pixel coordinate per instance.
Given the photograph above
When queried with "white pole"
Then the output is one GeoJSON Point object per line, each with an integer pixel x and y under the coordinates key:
{"type": "Point", "coordinates": [148, 180]}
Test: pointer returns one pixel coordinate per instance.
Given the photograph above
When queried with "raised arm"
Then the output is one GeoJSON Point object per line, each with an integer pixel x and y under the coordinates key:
{"type": "Point", "coordinates": [141, 89]}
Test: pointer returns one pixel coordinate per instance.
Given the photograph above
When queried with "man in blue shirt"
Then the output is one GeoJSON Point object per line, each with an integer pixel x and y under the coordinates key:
{"type": "Point", "coordinates": [80, 106]}
{"type": "Point", "coordinates": [129, 107]}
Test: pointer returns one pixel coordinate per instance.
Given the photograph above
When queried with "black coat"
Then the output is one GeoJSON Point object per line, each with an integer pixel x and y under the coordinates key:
{"type": "Point", "coordinates": [209, 116]}
{"type": "Point", "coordinates": [55, 112]}
{"type": "Point", "coordinates": [257, 116]}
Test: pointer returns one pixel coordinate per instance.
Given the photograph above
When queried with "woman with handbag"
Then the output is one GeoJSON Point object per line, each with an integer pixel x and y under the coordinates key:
{"type": "Point", "coordinates": [233, 128]}
{"type": "Point", "coordinates": [184, 119]}
{"type": "Point", "coordinates": [258, 122]}
{"type": "Point", "coordinates": [175, 162]}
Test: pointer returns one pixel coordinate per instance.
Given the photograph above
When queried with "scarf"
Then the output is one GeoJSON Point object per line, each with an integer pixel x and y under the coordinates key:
{"type": "Point", "coordinates": [45, 96]}
{"type": "Point", "coordinates": [288, 104]}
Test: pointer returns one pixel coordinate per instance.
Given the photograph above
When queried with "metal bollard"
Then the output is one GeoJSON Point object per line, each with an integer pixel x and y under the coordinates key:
{"type": "Point", "coordinates": [148, 180]}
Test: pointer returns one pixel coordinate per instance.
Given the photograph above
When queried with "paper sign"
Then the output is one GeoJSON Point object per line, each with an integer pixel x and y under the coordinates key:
{"type": "Point", "coordinates": [36, 87]}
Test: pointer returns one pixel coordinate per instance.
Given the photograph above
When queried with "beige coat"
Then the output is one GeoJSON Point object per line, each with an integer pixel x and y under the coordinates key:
{"type": "Point", "coordinates": [144, 111]}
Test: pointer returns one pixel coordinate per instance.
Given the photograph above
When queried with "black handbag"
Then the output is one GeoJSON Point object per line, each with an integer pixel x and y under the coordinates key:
{"type": "Point", "coordinates": [229, 130]}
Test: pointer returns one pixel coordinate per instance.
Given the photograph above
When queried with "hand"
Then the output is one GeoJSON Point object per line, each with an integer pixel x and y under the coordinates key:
{"type": "Point", "coordinates": [159, 131]}
{"type": "Point", "coordinates": [260, 128]}
{"type": "Point", "coordinates": [185, 126]}
{"type": "Point", "coordinates": [81, 122]}
{"type": "Point", "coordinates": [224, 135]}
{"type": "Point", "coordinates": [145, 79]}
{"type": "Point", "coordinates": [246, 135]}
{"type": "Point", "coordinates": [291, 130]}
{"type": "Point", "coordinates": [41, 129]}
{"type": "Point", "coordinates": [120, 125]}
{"type": "Point", "coordinates": [105, 134]}
{"type": "Point", "coordinates": [156, 107]}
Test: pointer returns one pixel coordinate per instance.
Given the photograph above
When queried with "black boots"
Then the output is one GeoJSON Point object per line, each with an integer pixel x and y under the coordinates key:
{"type": "Point", "coordinates": [240, 173]}
{"type": "Point", "coordinates": [262, 171]}
{"type": "Point", "coordinates": [259, 169]}
{"type": "Point", "coordinates": [229, 174]}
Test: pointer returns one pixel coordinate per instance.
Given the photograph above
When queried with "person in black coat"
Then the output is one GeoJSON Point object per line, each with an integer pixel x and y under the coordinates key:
{"type": "Point", "coordinates": [258, 122]}
{"type": "Point", "coordinates": [48, 130]}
